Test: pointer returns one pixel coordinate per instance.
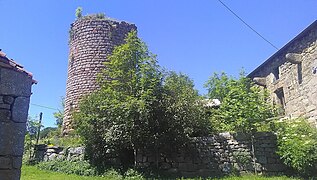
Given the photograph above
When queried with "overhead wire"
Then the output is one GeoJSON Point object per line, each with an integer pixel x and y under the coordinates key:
{"type": "Point", "coordinates": [44, 107]}
{"type": "Point", "coordinates": [245, 23]}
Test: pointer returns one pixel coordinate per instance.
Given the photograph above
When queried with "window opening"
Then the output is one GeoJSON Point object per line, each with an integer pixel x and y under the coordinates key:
{"type": "Point", "coordinates": [280, 99]}
{"type": "Point", "coordinates": [299, 73]}
{"type": "Point", "coordinates": [276, 73]}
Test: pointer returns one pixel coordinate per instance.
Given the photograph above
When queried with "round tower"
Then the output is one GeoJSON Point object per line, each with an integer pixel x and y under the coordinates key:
{"type": "Point", "coordinates": [92, 39]}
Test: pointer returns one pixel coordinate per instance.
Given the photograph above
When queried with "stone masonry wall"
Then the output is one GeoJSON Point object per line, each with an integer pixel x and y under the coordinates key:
{"type": "Point", "coordinates": [207, 156]}
{"type": "Point", "coordinates": [292, 71]}
{"type": "Point", "coordinates": [218, 155]}
{"type": "Point", "coordinates": [91, 42]}
{"type": "Point", "coordinates": [49, 153]}
{"type": "Point", "coordinates": [15, 92]}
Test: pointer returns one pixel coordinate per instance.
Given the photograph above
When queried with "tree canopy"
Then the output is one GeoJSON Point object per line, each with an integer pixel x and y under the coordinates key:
{"type": "Point", "coordinates": [243, 105]}
{"type": "Point", "coordinates": [139, 106]}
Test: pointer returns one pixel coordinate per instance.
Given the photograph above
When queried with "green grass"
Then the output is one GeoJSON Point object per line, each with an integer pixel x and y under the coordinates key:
{"type": "Point", "coordinates": [254, 177]}
{"type": "Point", "coordinates": [32, 173]}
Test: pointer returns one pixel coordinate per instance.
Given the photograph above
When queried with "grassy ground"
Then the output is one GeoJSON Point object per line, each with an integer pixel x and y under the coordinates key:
{"type": "Point", "coordinates": [32, 173]}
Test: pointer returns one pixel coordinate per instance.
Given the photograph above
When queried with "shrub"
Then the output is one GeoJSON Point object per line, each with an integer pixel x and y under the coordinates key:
{"type": "Point", "coordinates": [112, 174]}
{"type": "Point", "coordinates": [297, 145]}
{"type": "Point", "coordinates": [132, 174]}
{"type": "Point", "coordinates": [82, 168]}
{"type": "Point", "coordinates": [79, 12]}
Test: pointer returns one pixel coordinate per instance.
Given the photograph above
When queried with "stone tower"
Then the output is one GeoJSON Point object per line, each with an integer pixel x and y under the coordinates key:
{"type": "Point", "coordinates": [92, 39]}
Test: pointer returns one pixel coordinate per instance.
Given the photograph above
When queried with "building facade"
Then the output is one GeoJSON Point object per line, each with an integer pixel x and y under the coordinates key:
{"type": "Point", "coordinates": [92, 40]}
{"type": "Point", "coordinates": [290, 75]}
{"type": "Point", "coordinates": [15, 92]}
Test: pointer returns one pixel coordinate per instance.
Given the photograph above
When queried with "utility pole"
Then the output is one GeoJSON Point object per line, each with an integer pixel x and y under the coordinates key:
{"type": "Point", "coordinates": [39, 129]}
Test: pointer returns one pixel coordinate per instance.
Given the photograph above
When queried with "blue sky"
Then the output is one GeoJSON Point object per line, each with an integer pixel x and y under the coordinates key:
{"type": "Point", "coordinates": [193, 37]}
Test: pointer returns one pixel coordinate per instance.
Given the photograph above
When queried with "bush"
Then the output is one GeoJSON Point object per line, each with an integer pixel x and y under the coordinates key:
{"type": "Point", "coordinates": [112, 174]}
{"type": "Point", "coordinates": [297, 145]}
{"type": "Point", "coordinates": [82, 168]}
{"type": "Point", "coordinates": [132, 174]}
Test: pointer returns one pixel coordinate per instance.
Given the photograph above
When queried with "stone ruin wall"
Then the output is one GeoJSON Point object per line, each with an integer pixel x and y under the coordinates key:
{"type": "Point", "coordinates": [297, 66]}
{"type": "Point", "coordinates": [216, 155]}
{"type": "Point", "coordinates": [91, 42]}
{"type": "Point", "coordinates": [15, 92]}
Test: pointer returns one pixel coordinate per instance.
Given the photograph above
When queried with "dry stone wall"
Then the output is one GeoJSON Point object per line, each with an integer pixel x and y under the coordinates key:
{"type": "Point", "coordinates": [218, 155]}
{"type": "Point", "coordinates": [291, 75]}
{"type": "Point", "coordinates": [15, 92]}
{"type": "Point", "coordinates": [51, 153]}
{"type": "Point", "coordinates": [91, 41]}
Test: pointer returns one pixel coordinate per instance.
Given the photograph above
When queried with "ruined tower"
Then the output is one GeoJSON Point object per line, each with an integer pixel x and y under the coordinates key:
{"type": "Point", "coordinates": [92, 39]}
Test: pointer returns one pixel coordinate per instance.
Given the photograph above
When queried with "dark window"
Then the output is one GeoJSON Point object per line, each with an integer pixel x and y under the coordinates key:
{"type": "Point", "coordinates": [280, 99]}
{"type": "Point", "coordinates": [299, 73]}
{"type": "Point", "coordinates": [276, 73]}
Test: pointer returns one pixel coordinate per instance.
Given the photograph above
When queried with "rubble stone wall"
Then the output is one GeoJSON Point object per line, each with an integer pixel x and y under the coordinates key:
{"type": "Point", "coordinates": [15, 92]}
{"type": "Point", "coordinates": [91, 42]}
{"type": "Point", "coordinates": [207, 156]}
{"type": "Point", "coordinates": [218, 155]}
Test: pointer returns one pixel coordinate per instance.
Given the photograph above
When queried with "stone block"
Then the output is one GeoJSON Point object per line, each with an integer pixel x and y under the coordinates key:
{"type": "Point", "coordinates": [262, 159]}
{"type": "Point", "coordinates": [10, 174]}
{"type": "Point", "coordinates": [165, 166]}
{"type": "Point", "coordinates": [5, 106]}
{"type": "Point", "coordinates": [17, 162]}
{"type": "Point", "coordinates": [12, 138]}
{"type": "Point", "coordinates": [186, 167]}
{"type": "Point", "coordinates": [15, 83]}
{"type": "Point", "coordinates": [5, 115]}
{"type": "Point", "coordinates": [20, 109]}
{"type": "Point", "coordinates": [275, 167]}
{"type": "Point", "coordinates": [5, 162]}
{"type": "Point", "coordinates": [8, 99]}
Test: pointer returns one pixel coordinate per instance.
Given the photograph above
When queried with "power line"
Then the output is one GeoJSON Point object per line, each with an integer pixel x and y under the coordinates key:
{"type": "Point", "coordinates": [247, 24]}
{"type": "Point", "coordinates": [44, 107]}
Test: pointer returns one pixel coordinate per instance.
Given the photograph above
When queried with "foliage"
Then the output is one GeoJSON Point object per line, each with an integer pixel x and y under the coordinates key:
{"type": "Point", "coordinates": [132, 174]}
{"type": "Point", "coordinates": [32, 125]}
{"type": "Point", "coordinates": [243, 105]}
{"type": "Point", "coordinates": [32, 172]}
{"type": "Point", "coordinates": [138, 106]}
{"type": "Point", "coordinates": [100, 16]}
{"type": "Point", "coordinates": [297, 145]}
{"type": "Point", "coordinates": [46, 132]}
{"type": "Point", "coordinates": [55, 139]}
{"type": "Point", "coordinates": [59, 115]}
{"type": "Point", "coordinates": [79, 12]}
{"type": "Point", "coordinates": [69, 167]}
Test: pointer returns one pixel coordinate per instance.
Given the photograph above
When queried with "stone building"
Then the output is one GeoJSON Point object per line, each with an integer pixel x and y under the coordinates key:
{"type": "Point", "coordinates": [92, 39]}
{"type": "Point", "coordinates": [15, 92]}
{"type": "Point", "coordinates": [290, 75]}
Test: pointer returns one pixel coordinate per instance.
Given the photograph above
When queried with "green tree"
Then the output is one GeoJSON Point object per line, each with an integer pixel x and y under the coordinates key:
{"type": "Point", "coordinates": [59, 115]}
{"type": "Point", "coordinates": [119, 114]}
{"type": "Point", "coordinates": [243, 105]}
{"type": "Point", "coordinates": [138, 106]}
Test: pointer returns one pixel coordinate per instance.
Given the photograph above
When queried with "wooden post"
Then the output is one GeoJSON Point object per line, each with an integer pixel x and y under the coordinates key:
{"type": "Point", "coordinates": [39, 129]}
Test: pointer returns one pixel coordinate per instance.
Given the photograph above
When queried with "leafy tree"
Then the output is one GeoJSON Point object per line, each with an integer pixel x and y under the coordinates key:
{"type": "Point", "coordinates": [243, 105]}
{"type": "Point", "coordinates": [118, 115]}
{"type": "Point", "coordinates": [138, 106]}
{"type": "Point", "coordinates": [59, 115]}
{"type": "Point", "coordinates": [32, 125]}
